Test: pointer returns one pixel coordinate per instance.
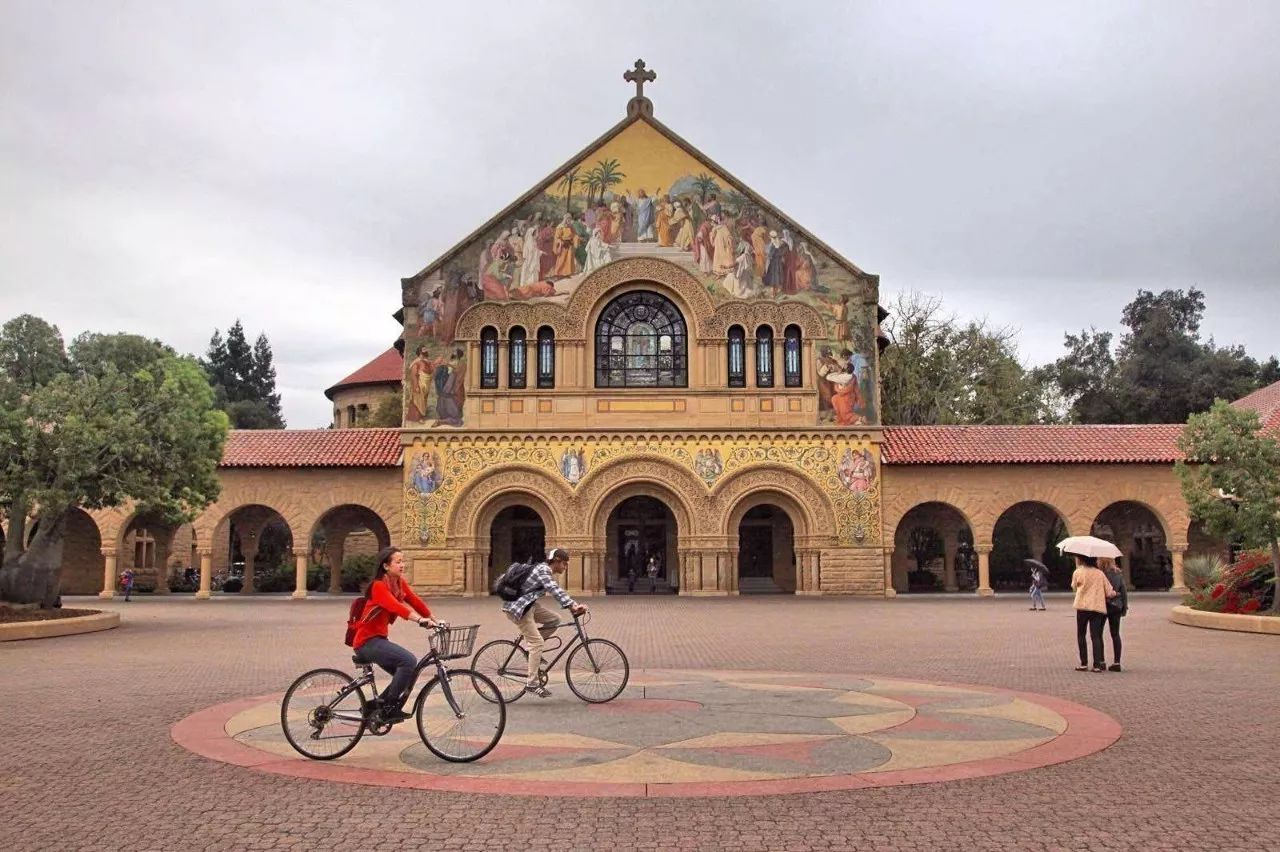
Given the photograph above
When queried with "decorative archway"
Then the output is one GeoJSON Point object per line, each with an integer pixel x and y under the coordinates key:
{"type": "Point", "coordinates": [83, 561]}
{"type": "Point", "coordinates": [346, 530]}
{"type": "Point", "coordinates": [250, 536]}
{"type": "Point", "coordinates": [1028, 530]}
{"type": "Point", "coordinates": [1138, 530]}
{"type": "Point", "coordinates": [934, 549]}
{"type": "Point", "coordinates": [517, 533]}
{"type": "Point", "coordinates": [766, 554]}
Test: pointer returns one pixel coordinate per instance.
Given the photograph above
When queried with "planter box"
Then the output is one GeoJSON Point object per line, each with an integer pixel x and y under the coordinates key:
{"type": "Point", "coordinates": [1226, 621]}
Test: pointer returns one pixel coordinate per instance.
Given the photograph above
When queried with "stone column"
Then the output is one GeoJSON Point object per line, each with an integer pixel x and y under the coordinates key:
{"type": "Point", "coordinates": [333, 550]}
{"type": "Point", "coordinates": [1176, 551]}
{"type": "Point", "coordinates": [108, 573]}
{"type": "Point", "coordinates": [950, 541]}
{"type": "Point", "coordinates": [206, 575]}
{"type": "Point", "coordinates": [889, 590]}
{"type": "Point", "coordinates": [250, 554]}
{"type": "Point", "coordinates": [300, 561]}
{"type": "Point", "coordinates": [984, 570]}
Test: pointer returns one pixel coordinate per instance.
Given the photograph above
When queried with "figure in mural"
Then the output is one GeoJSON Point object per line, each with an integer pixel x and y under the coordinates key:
{"type": "Point", "coordinates": [723, 257]}
{"type": "Point", "coordinates": [499, 272]}
{"type": "Point", "coordinates": [840, 310]}
{"type": "Point", "coordinates": [856, 470]}
{"type": "Point", "coordinates": [420, 373]}
{"type": "Point", "coordinates": [775, 264]}
{"type": "Point", "coordinates": [703, 250]}
{"type": "Point", "coordinates": [760, 244]}
{"type": "Point", "coordinates": [682, 224]}
{"type": "Point", "coordinates": [566, 241]}
{"type": "Point", "coordinates": [449, 380]}
{"type": "Point", "coordinates": [663, 224]}
{"type": "Point", "coordinates": [644, 216]}
{"type": "Point", "coordinates": [708, 464]}
{"type": "Point", "coordinates": [531, 262]}
{"type": "Point", "coordinates": [806, 277]}
{"type": "Point", "coordinates": [459, 294]}
{"type": "Point", "coordinates": [598, 252]}
{"type": "Point", "coordinates": [573, 465]}
{"type": "Point", "coordinates": [741, 279]}
{"type": "Point", "coordinates": [427, 474]}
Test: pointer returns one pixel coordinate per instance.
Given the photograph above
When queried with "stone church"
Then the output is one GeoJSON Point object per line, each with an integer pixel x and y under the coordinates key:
{"type": "Point", "coordinates": [644, 361]}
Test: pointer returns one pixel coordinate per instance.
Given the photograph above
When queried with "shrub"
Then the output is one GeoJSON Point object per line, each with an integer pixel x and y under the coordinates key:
{"type": "Point", "coordinates": [1247, 585]}
{"type": "Point", "coordinates": [922, 579]}
{"type": "Point", "coordinates": [233, 584]}
{"type": "Point", "coordinates": [357, 571]}
{"type": "Point", "coordinates": [1202, 569]}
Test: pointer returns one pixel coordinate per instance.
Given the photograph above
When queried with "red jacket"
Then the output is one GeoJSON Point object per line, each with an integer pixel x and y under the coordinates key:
{"type": "Point", "coordinates": [382, 608]}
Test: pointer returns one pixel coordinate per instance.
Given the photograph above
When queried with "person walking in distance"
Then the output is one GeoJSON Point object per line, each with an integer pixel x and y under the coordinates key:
{"type": "Point", "coordinates": [1117, 607]}
{"type": "Point", "coordinates": [652, 570]}
{"type": "Point", "coordinates": [1039, 582]}
{"type": "Point", "coordinates": [1092, 590]}
{"type": "Point", "coordinates": [126, 583]}
{"type": "Point", "coordinates": [535, 621]}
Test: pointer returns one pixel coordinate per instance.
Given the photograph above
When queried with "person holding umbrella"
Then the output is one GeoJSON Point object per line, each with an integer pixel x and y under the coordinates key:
{"type": "Point", "coordinates": [1117, 607]}
{"type": "Point", "coordinates": [1039, 582]}
{"type": "Point", "coordinates": [1092, 590]}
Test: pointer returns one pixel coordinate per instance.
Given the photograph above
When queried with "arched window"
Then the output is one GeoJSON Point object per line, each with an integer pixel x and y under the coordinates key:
{"type": "Point", "coordinates": [764, 357]}
{"type": "Point", "coordinates": [737, 357]}
{"type": "Point", "coordinates": [546, 357]}
{"type": "Point", "coordinates": [641, 342]}
{"type": "Point", "coordinates": [792, 377]}
{"type": "Point", "coordinates": [517, 358]}
{"type": "Point", "coordinates": [351, 416]}
{"type": "Point", "coordinates": [489, 357]}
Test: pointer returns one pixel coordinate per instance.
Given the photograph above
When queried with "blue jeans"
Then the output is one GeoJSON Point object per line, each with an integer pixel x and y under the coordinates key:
{"type": "Point", "coordinates": [396, 661]}
{"type": "Point", "coordinates": [1037, 596]}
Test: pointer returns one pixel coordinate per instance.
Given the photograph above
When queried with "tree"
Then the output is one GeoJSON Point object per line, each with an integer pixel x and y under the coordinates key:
{"type": "Point", "coordinates": [592, 181]}
{"type": "Point", "coordinates": [1231, 479]}
{"type": "Point", "coordinates": [101, 434]}
{"type": "Point", "coordinates": [705, 183]}
{"type": "Point", "coordinates": [941, 370]}
{"type": "Point", "coordinates": [244, 379]}
{"type": "Point", "coordinates": [31, 351]}
{"type": "Point", "coordinates": [567, 182]}
{"type": "Point", "coordinates": [262, 379]}
{"type": "Point", "coordinates": [609, 174]}
{"type": "Point", "coordinates": [388, 413]}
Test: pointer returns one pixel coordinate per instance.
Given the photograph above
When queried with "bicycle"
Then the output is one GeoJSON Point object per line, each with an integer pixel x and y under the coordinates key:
{"type": "Point", "coordinates": [596, 670]}
{"type": "Point", "coordinates": [460, 713]}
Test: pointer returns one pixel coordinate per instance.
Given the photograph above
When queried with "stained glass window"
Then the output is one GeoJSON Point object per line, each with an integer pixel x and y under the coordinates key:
{"type": "Point", "coordinates": [546, 357]}
{"type": "Point", "coordinates": [641, 342]}
{"type": "Point", "coordinates": [737, 357]}
{"type": "Point", "coordinates": [764, 357]}
{"type": "Point", "coordinates": [517, 357]}
{"type": "Point", "coordinates": [489, 357]}
{"type": "Point", "coordinates": [792, 377]}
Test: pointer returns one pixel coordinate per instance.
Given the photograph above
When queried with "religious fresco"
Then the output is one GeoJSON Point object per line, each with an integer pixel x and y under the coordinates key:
{"type": "Point", "coordinates": [640, 194]}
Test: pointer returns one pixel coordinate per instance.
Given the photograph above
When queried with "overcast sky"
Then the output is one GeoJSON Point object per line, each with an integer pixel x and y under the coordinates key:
{"type": "Point", "coordinates": [167, 167]}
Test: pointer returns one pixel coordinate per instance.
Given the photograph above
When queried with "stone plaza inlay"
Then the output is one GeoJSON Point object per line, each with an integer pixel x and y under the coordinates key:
{"type": "Point", "coordinates": [702, 733]}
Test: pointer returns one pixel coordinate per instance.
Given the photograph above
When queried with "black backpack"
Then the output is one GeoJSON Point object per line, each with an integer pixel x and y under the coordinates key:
{"type": "Point", "coordinates": [510, 585]}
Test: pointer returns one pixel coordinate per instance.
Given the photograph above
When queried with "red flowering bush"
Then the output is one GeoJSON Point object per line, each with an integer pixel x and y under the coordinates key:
{"type": "Point", "coordinates": [1246, 586]}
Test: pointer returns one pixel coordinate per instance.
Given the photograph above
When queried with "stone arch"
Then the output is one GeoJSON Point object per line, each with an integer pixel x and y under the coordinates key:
{"type": "Point", "coordinates": [1174, 521]}
{"type": "Point", "coordinates": [473, 510]}
{"type": "Point", "coordinates": [940, 516]}
{"type": "Point", "coordinates": [1146, 560]}
{"type": "Point", "coordinates": [810, 510]}
{"type": "Point", "coordinates": [503, 315]}
{"type": "Point", "coordinates": [379, 502]}
{"type": "Point", "coordinates": [604, 488]}
{"type": "Point", "coordinates": [83, 555]}
{"type": "Point", "coordinates": [639, 273]}
{"type": "Point", "coordinates": [1034, 521]}
{"type": "Point", "coordinates": [339, 522]}
{"type": "Point", "coordinates": [169, 540]}
{"type": "Point", "coordinates": [952, 498]}
{"type": "Point", "coordinates": [233, 499]}
{"type": "Point", "coordinates": [777, 315]}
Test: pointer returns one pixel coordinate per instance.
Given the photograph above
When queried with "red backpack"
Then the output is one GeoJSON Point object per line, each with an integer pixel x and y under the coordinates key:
{"type": "Point", "coordinates": [354, 618]}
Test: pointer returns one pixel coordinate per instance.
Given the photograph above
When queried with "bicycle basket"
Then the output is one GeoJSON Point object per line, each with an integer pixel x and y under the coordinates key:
{"type": "Point", "coordinates": [455, 642]}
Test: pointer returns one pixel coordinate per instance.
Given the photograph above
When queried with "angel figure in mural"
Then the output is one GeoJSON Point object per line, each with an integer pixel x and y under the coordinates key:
{"type": "Point", "coordinates": [426, 475]}
{"type": "Point", "coordinates": [573, 465]}
{"type": "Point", "coordinates": [708, 464]}
{"type": "Point", "coordinates": [856, 470]}
{"type": "Point", "coordinates": [598, 252]}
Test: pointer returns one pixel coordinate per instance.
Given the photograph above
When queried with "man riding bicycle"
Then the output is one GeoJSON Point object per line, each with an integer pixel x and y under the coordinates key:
{"type": "Point", "coordinates": [535, 621]}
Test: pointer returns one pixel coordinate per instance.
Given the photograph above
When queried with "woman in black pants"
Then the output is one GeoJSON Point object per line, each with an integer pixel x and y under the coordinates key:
{"type": "Point", "coordinates": [1117, 607]}
{"type": "Point", "coordinates": [1092, 591]}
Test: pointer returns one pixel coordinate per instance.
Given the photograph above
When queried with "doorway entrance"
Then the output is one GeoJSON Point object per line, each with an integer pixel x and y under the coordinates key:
{"type": "Point", "coordinates": [642, 548]}
{"type": "Point", "coordinates": [517, 534]}
{"type": "Point", "coordinates": [766, 552]}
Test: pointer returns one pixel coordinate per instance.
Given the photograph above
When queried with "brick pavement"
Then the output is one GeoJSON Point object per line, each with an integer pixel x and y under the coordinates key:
{"type": "Point", "coordinates": [86, 762]}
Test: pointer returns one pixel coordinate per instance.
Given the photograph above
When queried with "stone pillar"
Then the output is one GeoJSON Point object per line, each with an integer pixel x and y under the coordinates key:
{"type": "Point", "coordinates": [1176, 551]}
{"type": "Point", "coordinates": [333, 549]}
{"type": "Point", "coordinates": [950, 541]}
{"type": "Point", "coordinates": [984, 570]}
{"type": "Point", "coordinates": [206, 575]}
{"type": "Point", "coordinates": [163, 549]}
{"type": "Point", "coordinates": [300, 561]}
{"type": "Point", "coordinates": [889, 590]}
{"type": "Point", "coordinates": [108, 573]}
{"type": "Point", "coordinates": [250, 554]}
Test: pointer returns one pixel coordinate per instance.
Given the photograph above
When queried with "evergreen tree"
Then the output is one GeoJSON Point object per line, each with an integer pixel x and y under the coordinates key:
{"type": "Point", "coordinates": [244, 379]}
{"type": "Point", "coordinates": [263, 378]}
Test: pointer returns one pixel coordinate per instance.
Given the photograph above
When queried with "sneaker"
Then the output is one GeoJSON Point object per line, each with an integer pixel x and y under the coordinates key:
{"type": "Point", "coordinates": [395, 714]}
{"type": "Point", "coordinates": [540, 691]}
{"type": "Point", "coordinates": [1099, 667]}
{"type": "Point", "coordinates": [1114, 667]}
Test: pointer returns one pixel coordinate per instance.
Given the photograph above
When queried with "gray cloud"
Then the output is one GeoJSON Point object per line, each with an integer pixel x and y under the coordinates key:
{"type": "Point", "coordinates": [170, 167]}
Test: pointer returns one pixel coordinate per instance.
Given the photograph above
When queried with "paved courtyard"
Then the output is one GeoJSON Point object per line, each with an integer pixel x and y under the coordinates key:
{"type": "Point", "coordinates": [87, 760]}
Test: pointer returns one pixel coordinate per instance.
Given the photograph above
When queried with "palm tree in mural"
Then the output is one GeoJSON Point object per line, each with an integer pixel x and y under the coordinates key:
{"type": "Point", "coordinates": [705, 183]}
{"type": "Point", "coordinates": [567, 182]}
{"type": "Point", "coordinates": [592, 180]}
{"type": "Point", "coordinates": [609, 174]}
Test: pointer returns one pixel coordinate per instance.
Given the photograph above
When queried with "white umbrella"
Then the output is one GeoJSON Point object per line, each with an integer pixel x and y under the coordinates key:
{"type": "Point", "coordinates": [1087, 545]}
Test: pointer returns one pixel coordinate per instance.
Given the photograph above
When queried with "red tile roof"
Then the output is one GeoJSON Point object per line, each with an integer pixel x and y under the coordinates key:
{"type": "Point", "coordinates": [1265, 401]}
{"type": "Point", "coordinates": [312, 448]}
{"type": "Point", "coordinates": [1155, 444]}
{"type": "Point", "coordinates": [387, 368]}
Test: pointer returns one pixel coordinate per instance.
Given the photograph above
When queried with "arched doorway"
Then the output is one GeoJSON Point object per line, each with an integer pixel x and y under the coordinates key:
{"type": "Point", "coordinates": [82, 560]}
{"type": "Point", "coordinates": [517, 534]}
{"type": "Point", "coordinates": [766, 551]}
{"type": "Point", "coordinates": [641, 529]}
{"type": "Point", "coordinates": [1146, 564]}
{"type": "Point", "coordinates": [252, 552]}
{"type": "Point", "coordinates": [344, 544]}
{"type": "Point", "coordinates": [933, 550]}
{"type": "Point", "coordinates": [1028, 530]}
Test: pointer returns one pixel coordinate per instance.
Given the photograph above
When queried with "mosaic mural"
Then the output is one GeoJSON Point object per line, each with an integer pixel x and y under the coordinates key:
{"type": "Point", "coordinates": [639, 193]}
{"type": "Point", "coordinates": [847, 472]}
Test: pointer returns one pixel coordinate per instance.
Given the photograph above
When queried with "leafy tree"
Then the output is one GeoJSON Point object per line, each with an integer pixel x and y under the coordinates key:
{"type": "Point", "coordinates": [592, 181]}
{"type": "Point", "coordinates": [31, 351]}
{"type": "Point", "coordinates": [609, 174]}
{"type": "Point", "coordinates": [244, 379]}
{"type": "Point", "coordinates": [386, 414]}
{"type": "Point", "coordinates": [1231, 479]}
{"type": "Point", "coordinates": [1086, 378]}
{"type": "Point", "coordinates": [941, 370]}
{"type": "Point", "coordinates": [101, 433]}
{"type": "Point", "coordinates": [569, 179]}
{"type": "Point", "coordinates": [704, 184]}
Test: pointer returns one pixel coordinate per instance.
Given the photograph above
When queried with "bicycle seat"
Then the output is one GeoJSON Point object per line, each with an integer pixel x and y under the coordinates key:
{"type": "Point", "coordinates": [358, 661]}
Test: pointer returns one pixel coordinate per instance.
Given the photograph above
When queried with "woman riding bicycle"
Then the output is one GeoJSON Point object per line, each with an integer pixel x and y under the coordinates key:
{"type": "Point", "coordinates": [387, 598]}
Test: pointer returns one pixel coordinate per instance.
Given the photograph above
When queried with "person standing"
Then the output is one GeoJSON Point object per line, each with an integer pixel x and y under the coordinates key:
{"type": "Point", "coordinates": [652, 570]}
{"type": "Point", "coordinates": [126, 583]}
{"type": "Point", "coordinates": [1117, 607]}
{"type": "Point", "coordinates": [535, 621]}
{"type": "Point", "coordinates": [1092, 590]}
{"type": "Point", "coordinates": [1039, 582]}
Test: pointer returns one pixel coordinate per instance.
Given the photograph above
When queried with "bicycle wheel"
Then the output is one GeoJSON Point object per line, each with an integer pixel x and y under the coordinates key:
{"type": "Point", "coordinates": [322, 714]}
{"type": "Point", "coordinates": [474, 729]}
{"type": "Point", "coordinates": [506, 664]}
{"type": "Point", "coordinates": [599, 676]}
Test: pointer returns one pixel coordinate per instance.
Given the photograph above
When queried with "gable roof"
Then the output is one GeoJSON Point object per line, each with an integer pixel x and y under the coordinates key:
{"type": "Point", "coordinates": [676, 139]}
{"type": "Point", "coordinates": [1265, 401]}
{"type": "Point", "coordinates": [1128, 444]}
{"type": "Point", "coordinates": [312, 448]}
{"type": "Point", "coordinates": [386, 369]}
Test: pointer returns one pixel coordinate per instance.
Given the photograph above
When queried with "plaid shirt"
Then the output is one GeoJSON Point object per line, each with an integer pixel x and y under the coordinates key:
{"type": "Point", "coordinates": [538, 583]}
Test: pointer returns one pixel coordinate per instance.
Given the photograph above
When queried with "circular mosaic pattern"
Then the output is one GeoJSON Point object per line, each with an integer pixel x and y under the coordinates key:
{"type": "Point", "coordinates": [686, 733]}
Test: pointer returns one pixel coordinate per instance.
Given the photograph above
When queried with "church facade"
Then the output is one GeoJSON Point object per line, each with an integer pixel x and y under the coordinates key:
{"type": "Point", "coordinates": [645, 362]}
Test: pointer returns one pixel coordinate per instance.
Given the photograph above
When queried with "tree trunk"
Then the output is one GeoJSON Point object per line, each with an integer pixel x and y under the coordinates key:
{"type": "Point", "coordinates": [33, 577]}
{"type": "Point", "coordinates": [13, 546]}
